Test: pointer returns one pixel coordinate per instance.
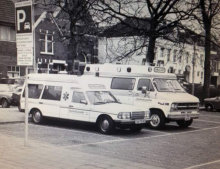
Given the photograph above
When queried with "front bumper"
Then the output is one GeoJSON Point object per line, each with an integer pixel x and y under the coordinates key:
{"type": "Point", "coordinates": [129, 121]}
{"type": "Point", "coordinates": [183, 116]}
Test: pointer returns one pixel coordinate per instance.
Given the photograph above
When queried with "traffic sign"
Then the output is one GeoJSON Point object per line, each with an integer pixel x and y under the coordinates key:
{"type": "Point", "coordinates": [24, 35]}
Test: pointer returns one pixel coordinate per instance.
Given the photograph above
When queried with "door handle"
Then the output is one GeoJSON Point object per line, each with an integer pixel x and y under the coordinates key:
{"type": "Point", "coordinates": [41, 103]}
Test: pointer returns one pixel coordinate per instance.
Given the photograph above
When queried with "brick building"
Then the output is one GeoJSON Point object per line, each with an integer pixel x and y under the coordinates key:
{"type": "Point", "coordinates": [8, 59]}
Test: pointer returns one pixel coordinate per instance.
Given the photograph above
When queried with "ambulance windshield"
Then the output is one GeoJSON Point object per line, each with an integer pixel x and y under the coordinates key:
{"type": "Point", "coordinates": [101, 97]}
{"type": "Point", "coordinates": [168, 85]}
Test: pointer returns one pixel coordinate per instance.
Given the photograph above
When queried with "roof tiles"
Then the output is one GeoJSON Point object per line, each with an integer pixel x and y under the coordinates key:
{"type": "Point", "coordinates": [7, 11]}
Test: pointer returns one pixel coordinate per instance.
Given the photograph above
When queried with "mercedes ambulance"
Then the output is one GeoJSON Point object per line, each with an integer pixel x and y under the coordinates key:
{"type": "Point", "coordinates": [80, 98]}
{"type": "Point", "coordinates": [150, 87]}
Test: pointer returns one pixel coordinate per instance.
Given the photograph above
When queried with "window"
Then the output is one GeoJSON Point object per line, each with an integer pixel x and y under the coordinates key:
{"type": "Point", "coordinates": [180, 59]}
{"type": "Point", "coordinates": [161, 52]}
{"type": "Point", "coordinates": [174, 55]}
{"type": "Point", "coordinates": [123, 83]}
{"type": "Point", "coordinates": [187, 57]}
{"type": "Point", "coordinates": [7, 33]}
{"type": "Point", "coordinates": [145, 82]}
{"type": "Point", "coordinates": [168, 54]}
{"type": "Point", "coordinates": [47, 44]}
{"type": "Point", "coordinates": [101, 97]}
{"type": "Point", "coordinates": [77, 97]}
{"type": "Point", "coordinates": [201, 59]}
{"type": "Point", "coordinates": [198, 73]}
{"type": "Point", "coordinates": [52, 93]}
{"type": "Point", "coordinates": [13, 71]}
{"type": "Point", "coordinates": [34, 90]}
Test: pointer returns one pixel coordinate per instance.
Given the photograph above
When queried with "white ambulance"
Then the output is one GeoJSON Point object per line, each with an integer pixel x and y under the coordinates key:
{"type": "Point", "coordinates": [80, 98]}
{"type": "Point", "coordinates": [150, 87]}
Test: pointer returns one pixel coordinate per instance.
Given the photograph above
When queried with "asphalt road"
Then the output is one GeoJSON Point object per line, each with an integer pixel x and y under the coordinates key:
{"type": "Point", "coordinates": [173, 148]}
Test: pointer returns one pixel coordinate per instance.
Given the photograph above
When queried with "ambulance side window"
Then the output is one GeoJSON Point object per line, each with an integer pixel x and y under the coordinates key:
{"type": "Point", "coordinates": [145, 82]}
{"type": "Point", "coordinates": [52, 92]}
{"type": "Point", "coordinates": [123, 83]}
{"type": "Point", "coordinates": [34, 90]}
{"type": "Point", "coordinates": [78, 97]}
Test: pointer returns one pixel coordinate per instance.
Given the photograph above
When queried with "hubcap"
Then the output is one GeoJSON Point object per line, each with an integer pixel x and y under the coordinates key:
{"type": "Point", "coordinates": [209, 107]}
{"type": "Point", "coordinates": [105, 125]}
{"type": "Point", "coordinates": [37, 117]}
{"type": "Point", "coordinates": [155, 120]}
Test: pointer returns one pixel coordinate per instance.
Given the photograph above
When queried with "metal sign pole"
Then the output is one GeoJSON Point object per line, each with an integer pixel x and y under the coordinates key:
{"type": "Point", "coordinates": [26, 108]}
{"type": "Point", "coordinates": [24, 44]}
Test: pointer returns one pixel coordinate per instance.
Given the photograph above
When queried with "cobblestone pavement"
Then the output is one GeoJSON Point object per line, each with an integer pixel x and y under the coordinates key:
{"type": "Point", "coordinates": [64, 145]}
{"type": "Point", "coordinates": [36, 155]}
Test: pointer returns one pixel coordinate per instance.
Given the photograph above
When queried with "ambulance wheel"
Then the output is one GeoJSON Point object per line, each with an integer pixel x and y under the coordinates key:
{"type": "Point", "coordinates": [37, 116]}
{"type": "Point", "coordinates": [106, 125]}
{"type": "Point", "coordinates": [157, 120]}
{"type": "Point", "coordinates": [184, 124]}
{"type": "Point", "coordinates": [5, 103]}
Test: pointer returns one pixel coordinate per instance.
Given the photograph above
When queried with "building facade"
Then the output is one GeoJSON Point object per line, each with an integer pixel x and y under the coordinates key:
{"type": "Point", "coordinates": [8, 53]}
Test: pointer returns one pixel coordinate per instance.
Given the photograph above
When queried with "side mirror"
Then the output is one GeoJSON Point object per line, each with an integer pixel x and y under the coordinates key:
{"type": "Point", "coordinates": [83, 101]}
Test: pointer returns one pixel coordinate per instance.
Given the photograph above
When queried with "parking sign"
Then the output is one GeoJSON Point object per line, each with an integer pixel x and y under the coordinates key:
{"type": "Point", "coordinates": [24, 35]}
{"type": "Point", "coordinates": [24, 19]}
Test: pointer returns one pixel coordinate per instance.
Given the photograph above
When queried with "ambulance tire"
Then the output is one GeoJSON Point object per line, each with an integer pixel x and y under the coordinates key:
{"type": "Point", "coordinates": [157, 120]}
{"type": "Point", "coordinates": [37, 117]}
{"type": "Point", "coordinates": [106, 125]}
{"type": "Point", "coordinates": [5, 103]}
{"type": "Point", "coordinates": [184, 124]}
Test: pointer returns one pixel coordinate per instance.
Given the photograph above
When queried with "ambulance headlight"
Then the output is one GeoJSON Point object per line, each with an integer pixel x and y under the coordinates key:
{"type": "Point", "coordinates": [173, 106]}
{"type": "Point", "coordinates": [147, 114]}
{"type": "Point", "coordinates": [124, 115]}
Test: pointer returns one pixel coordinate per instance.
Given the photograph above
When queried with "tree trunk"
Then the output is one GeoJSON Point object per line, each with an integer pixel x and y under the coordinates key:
{"type": "Point", "coordinates": [207, 70]}
{"type": "Point", "coordinates": [150, 51]}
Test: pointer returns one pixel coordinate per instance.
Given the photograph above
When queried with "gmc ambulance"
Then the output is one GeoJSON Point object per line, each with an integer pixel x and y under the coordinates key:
{"type": "Point", "coordinates": [80, 98]}
{"type": "Point", "coordinates": [150, 87]}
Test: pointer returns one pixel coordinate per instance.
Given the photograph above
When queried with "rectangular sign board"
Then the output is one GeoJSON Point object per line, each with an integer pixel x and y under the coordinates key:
{"type": "Point", "coordinates": [24, 34]}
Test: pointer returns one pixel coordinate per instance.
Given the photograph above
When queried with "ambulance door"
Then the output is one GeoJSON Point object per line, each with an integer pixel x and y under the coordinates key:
{"type": "Point", "coordinates": [150, 91]}
{"type": "Point", "coordinates": [122, 88]}
{"type": "Point", "coordinates": [49, 104]}
{"type": "Point", "coordinates": [77, 107]}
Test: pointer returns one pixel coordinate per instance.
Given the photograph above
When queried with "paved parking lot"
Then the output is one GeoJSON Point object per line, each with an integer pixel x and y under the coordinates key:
{"type": "Point", "coordinates": [195, 147]}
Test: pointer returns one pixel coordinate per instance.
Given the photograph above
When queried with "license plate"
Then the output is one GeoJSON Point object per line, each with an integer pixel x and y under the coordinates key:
{"type": "Point", "coordinates": [140, 121]}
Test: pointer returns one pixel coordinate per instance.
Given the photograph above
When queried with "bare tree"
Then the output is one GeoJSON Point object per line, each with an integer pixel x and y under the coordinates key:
{"type": "Point", "coordinates": [75, 23]}
{"type": "Point", "coordinates": [151, 19]}
{"type": "Point", "coordinates": [207, 16]}
{"type": "Point", "coordinates": [210, 9]}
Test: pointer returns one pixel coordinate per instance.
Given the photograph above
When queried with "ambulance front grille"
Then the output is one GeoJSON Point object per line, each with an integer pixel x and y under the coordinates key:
{"type": "Point", "coordinates": [187, 106]}
{"type": "Point", "coordinates": [137, 115]}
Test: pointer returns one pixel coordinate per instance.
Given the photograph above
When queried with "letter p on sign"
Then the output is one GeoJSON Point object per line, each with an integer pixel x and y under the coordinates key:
{"type": "Point", "coordinates": [21, 16]}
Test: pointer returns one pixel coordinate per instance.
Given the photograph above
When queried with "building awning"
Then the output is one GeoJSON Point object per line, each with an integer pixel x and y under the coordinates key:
{"type": "Point", "coordinates": [62, 62]}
